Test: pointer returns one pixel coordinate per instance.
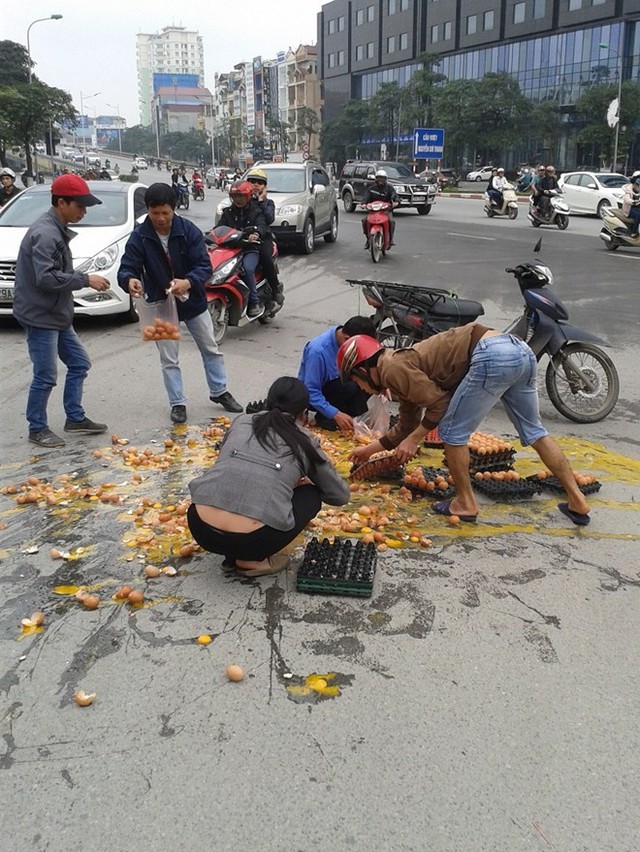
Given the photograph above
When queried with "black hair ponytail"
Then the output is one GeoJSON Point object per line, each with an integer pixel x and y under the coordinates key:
{"type": "Point", "coordinates": [286, 400]}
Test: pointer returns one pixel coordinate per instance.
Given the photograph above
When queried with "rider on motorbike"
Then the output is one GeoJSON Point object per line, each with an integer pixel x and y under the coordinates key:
{"type": "Point", "coordinates": [197, 183]}
{"type": "Point", "coordinates": [631, 203]}
{"type": "Point", "coordinates": [496, 187]}
{"type": "Point", "coordinates": [258, 180]}
{"type": "Point", "coordinates": [543, 189]}
{"type": "Point", "coordinates": [179, 182]}
{"type": "Point", "coordinates": [9, 188]}
{"type": "Point", "coordinates": [245, 214]}
{"type": "Point", "coordinates": [381, 191]}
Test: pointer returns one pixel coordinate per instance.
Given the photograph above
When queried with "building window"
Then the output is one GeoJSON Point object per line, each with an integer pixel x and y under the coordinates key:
{"type": "Point", "coordinates": [340, 57]}
{"type": "Point", "coordinates": [487, 20]}
{"type": "Point", "coordinates": [539, 9]}
{"type": "Point", "coordinates": [518, 13]}
{"type": "Point", "coordinates": [404, 5]}
{"type": "Point", "coordinates": [370, 50]}
{"type": "Point", "coordinates": [331, 26]}
{"type": "Point", "coordinates": [574, 5]}
{"type": "Point", "coordinates": [404, 41]}
{"type": "Point", "coordinates": [331, 60]}
{"type": "Point", "coordinates": [359, 17]}
{"type": "Point", "coordinates": [598, 2]}
{"type": "Point", "coordinates": [434, 34]}
{"type": "Point", "coordinates": [391, 7]}
{"type": "Point", "coordinates": [371, 13]}
{"type": "Point", "coordinates": [472, 24]}
{"type": "Point", "coordinates": [446, 30]}
{"type": "Point", "coordinates": [391, 44]}
{"type": "Point", "coordinates": [360, 52]}
{"type": "Point", "coordinates": [340, 23]}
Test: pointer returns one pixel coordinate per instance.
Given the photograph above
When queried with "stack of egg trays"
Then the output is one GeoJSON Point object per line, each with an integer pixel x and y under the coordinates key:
{"type": "Point", "coordinates": [430, 474]}
{"type": "Point", "coordinates": [432, 439]}
{"type": "Point", "coordinates": [553, 484]}
{"type": "Point", "coordinates": [507, 491]}
{"type": "Point", "coordinates": [369, 469]}
{"type": "Point", "coordinates": [341, 568]}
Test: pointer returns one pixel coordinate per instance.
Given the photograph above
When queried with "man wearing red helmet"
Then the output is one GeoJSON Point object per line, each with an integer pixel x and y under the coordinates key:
{"type": "Point", "coordinates": [245, 214]}
{"type": "Point", "coordinates": [452, 380]}
{"type": "Point", "coordinates": [43, 305]}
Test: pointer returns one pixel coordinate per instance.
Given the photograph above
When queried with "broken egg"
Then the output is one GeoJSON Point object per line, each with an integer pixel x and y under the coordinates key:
{"type": "Point", "coordinates": [205, 639]}
{"type": "Point", "coordinates": [83, 699]}
{"type": "Point", "coordinates": [234, 673]}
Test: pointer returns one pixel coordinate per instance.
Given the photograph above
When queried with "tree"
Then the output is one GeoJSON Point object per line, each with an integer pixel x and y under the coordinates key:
{"type": "Point", "coordinates": [590, 117]}
{"type": "Point", "coordinates": [279, 131]}
{"type": "Point", "coordinates": [421, 90]}
{"type": "Point", "coordinates": [192, 146]}
{"type": "Point", "coordinates": [137, 139]}
{"type": "Point", "coordinates": [496, 114]}
{"type": "Point", "coordinates": [451, 103]}
{"type": "Point", "coordinates": [342, 138]}
{"type": "Point", "coordinates": [307, 123]}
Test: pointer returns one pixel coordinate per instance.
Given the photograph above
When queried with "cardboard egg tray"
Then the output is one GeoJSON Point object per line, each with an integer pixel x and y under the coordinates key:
{"type": "Point", "coordinates": [341, 568]}
{"type": "Point", "coordinates": [507, 491]}
{"type": "Point", "coordinates": [256, 406]}
{"type": "Point", "coordinates": [432, 439]}
{"type": "Point", "coordinates": [381, 466]}
{"type": "Point", "coordinates": [431, 474]}
{"type": "Point", "coordinates": [553, 484]}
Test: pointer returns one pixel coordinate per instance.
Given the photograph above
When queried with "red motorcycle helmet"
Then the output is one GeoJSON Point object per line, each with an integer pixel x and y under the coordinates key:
{"type": "Point", "coordinates": [243, 189]}
{"type": "Point", "coordinates": [353, 355]}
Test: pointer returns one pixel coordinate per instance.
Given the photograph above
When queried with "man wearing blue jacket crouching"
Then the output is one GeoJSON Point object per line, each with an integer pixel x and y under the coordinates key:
{"type": "Point", "coordinates": [167, 253]}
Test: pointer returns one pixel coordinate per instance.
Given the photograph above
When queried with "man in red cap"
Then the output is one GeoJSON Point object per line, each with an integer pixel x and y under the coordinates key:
{"type": "Point", "coordinates": [43, 305]}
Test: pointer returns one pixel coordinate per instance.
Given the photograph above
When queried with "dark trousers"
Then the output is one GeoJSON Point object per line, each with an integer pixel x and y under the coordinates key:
{"type": "Point", "coordinates": [347, 397]}
{"type": "Point", "coordinates": [268, 266]}
{"type": "Point", "coordinates": [263, 542]}
{"type": "Point", "coordinates": [634, 215]}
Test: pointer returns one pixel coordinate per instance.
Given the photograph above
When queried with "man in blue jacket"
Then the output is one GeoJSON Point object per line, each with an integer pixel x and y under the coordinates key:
{"type": "Point", "coordinates": [335, 403]}
{"type": "Point", "coordinates": [166, 253]}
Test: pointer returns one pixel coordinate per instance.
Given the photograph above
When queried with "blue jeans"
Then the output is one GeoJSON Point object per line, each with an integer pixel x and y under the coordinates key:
{"type": "Point", "coordinates": [250, 261]}
{"type": "Point", "coordinates": [634, 215]}
{"type": "Point", "coordinates": [201, 329]}
{"type": "Point", "coordinates": [46, 345]}
{"type": "Point", "coordinates": [503, 368]}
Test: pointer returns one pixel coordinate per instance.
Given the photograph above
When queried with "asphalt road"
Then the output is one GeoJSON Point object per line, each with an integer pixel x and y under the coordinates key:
{"type": "Point", "coordinates": [488, 689]}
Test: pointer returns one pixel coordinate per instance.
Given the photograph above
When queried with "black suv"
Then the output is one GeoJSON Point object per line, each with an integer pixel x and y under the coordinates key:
{"type": "Point", "coordinates": [412, 191]}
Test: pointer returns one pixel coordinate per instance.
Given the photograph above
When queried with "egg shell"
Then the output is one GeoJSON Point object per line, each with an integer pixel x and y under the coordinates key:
{"type": "Point", "coordinates": [234, 673]}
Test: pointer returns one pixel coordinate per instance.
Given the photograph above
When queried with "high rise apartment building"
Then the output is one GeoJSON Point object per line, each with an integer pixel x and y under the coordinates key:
{"type": "Point", "coordinates": [174, 50]}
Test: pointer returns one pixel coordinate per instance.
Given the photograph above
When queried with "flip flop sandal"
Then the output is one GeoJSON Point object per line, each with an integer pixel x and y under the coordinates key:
{"type": "Point", "coordinates": [276, 563]}
{"type": "Point", "coordinates": [578, 518]}
{"type": "Point", "coordinates": [444, 508]}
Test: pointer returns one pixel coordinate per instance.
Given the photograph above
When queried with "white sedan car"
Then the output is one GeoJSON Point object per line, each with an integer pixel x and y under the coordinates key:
{"type": "Point", "coordinates": [97, 248]}
{"type": "Point", "coordinates": [590, 192]}
{"type": "Point", "coordinates": [481, 174]}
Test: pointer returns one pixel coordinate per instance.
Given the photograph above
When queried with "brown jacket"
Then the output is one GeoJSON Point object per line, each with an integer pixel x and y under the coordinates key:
{"type": "Point", "coordinates": [425, 377]}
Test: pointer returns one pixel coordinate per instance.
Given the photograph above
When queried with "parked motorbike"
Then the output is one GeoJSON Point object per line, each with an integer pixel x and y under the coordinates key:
{"type": "Point", "coordinates": [182, 193]}
{"type": "Point", "coordinates": [558, 212]}
{"type": "Point", "coordinates": [509, 206]}
{"type": "Point", "coordinates": [615, 232]}
{"type": "Point", "coordinates": [377, 227]}
{"type": "Point", "coordinates": [197, 190]}
{"type": "Point", "coordinates": [406, 313]}
{"type": "Point", "coordinates": [227, 291]}
{"type": "Point", "coordinates": [581, 379]}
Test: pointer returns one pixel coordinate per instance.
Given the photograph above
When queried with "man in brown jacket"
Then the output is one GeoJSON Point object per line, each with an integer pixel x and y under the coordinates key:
{"type": "Point", "coordinates": [453, 380]}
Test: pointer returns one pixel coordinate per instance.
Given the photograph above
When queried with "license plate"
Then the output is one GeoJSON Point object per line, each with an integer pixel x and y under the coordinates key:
{"type": "Point", "coordinates": [419, 198]}
{"type": "Point", "coordinates": [6, 294]}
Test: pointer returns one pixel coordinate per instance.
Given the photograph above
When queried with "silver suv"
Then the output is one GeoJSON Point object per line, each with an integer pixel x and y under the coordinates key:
{"type": "Point", "coordinates": [305, 201]}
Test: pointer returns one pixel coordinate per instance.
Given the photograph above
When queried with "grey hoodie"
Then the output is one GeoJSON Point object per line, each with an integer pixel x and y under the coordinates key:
{"type": "Point", "coordinates": [45, 280]}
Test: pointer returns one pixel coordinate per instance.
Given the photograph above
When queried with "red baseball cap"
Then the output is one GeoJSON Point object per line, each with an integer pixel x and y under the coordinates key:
{"type": "Point", "coordinates": [73, 186]}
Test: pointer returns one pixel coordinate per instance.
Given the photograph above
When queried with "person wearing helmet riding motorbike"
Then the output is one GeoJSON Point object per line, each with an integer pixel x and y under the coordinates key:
{"type": "Point", "coordinates": [259, 180]}
{"type": "Point", "coordinates": [9, 189]}
{"type": "Point", "coordinates": [381, 190]}
{"type": "Point", "coordinates": [631, 203]}
{"type": "Point", "coordinates": [245, 214]}
{"type": "Point", "coordinates": [497, 186]}
{"type": "Point", "coordinates": [544, 189]}
{"type": "Point", "coordinates": [453, 380]}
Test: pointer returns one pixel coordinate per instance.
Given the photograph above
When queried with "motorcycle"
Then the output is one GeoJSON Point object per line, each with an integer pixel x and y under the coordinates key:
{"type": "Point", "coordinates": [558, 212]}
{"type": "Point", "coordinates": [406, 313]}
{"type": "Point", "coordinates": [615, 232]}
{"type": "Point", "coordinates": [197, 190]}
{"type": "Point", "coordinates": [182, 193]}
{"type": "Point", "coordinates": [377, 227]}
{"type": "Point", "coordinates": [227, 292]}
{"type": "Point", "coordinates": [581, 379]}
{"type": "Point", "coordinates": [509, 205]}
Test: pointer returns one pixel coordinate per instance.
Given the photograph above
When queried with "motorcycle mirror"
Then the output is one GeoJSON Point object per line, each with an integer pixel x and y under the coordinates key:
{"type": "Point", "coordinates": [538, 246]}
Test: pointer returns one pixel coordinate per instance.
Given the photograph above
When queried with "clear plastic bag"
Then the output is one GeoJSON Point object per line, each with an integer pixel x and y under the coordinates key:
{"type": "Point", "coordinates": [375, 423]}
{"type": "Point", "coordinates": [159, 320]}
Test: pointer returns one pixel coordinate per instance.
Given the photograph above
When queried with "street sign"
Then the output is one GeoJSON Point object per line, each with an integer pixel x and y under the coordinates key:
{"type": "Point", "coordinates": [428, 143]}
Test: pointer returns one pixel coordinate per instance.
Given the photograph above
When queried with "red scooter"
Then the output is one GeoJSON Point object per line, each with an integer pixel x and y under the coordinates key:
{"type": "Point", "coordinates": [378, 231]}
{"type": "Point", "coordinates": [227, 291]}
{"type": "Point", "coordinates": [197, 189]}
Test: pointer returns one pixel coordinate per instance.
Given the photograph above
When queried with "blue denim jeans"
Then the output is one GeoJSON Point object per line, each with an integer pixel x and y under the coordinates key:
{"type": "Point", "coordinates": [201, 329]}
{"type": "Point", "coordinates": [46, 345]}
{"type": "Point", "coordinates": [250, 261]}
{"type": "Point", "coordinates": [503, 368]}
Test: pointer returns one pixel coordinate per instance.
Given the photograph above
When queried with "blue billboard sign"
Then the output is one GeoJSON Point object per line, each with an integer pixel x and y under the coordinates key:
{"type": "Point", "coordinates": [428, 143]}
{"type": "Point", "coordinates": [175, 81]}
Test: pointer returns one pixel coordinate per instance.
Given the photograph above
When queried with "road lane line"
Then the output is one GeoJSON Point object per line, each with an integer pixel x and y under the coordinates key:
{"type": "Point", "coordinates": [471, 236]}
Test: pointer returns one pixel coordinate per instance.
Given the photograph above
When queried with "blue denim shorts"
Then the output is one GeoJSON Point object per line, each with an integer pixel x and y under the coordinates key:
{"type": "Point", "coordinates": [503, 368]}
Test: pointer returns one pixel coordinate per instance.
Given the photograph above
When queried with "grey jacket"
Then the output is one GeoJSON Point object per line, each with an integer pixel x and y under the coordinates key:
{"type": "Point", "coordinates": [45, 279]}
{"type": "Point", "coordinates": [258, 483]}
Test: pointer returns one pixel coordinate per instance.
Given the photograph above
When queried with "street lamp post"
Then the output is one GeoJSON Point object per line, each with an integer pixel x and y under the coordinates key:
{"type": "Point", "coordinates": [84, 98]}
{"type": "Point", "coordinates": [37, 21]}
{"type": "Point", "coordinates": [117, 109]}
{"type": "Point", "coordinates": [604, 46]}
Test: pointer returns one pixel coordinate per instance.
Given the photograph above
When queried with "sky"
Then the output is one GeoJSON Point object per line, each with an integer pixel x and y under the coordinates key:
{"type": "Point", "coordinates": [93, 47]}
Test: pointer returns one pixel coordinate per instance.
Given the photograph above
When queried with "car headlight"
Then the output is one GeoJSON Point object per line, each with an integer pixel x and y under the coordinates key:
{"type": "Point", "coordinates": [290, 210]}
{"type": "Point", "coordinates": [223, 272]}
{"type": "Point", "coordinates": [101, 261]}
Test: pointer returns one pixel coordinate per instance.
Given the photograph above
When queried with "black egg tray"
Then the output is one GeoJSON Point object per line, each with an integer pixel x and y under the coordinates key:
{"type": "Point", "coordinates": [341, 568]}
{"type": "Point", "coordinates": [490, 461]}
{"type": "Point", "coordinates": [430, 474]}
{"type": "Point", "coordinates": [256, 406]}
{"type": "Point", "coordinates": [553, 484]}
{"type": "Point", "coordinates": [522, 489]}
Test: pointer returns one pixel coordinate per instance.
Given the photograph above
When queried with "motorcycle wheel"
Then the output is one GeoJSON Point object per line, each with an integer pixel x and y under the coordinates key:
{"type": "Point", "coordinates": [612, 246]}
{"type": "Point", "coordinates": [390, 338]}
{"type": "Point", "coordinates": [490, 213]}
{"type": "Point", "coordinates": [566, 387]}
{"type": "Point", "coordinates": [220, 319]}
{"type": "Point", "coordinates": [535, 223]}
{"type": "Point", "coordinates": [186, 202]}
{"type": "Point", "coordinates": [562, 222]}
{"type": "Point", "coordinates": [376, 247]}
{"type": "Point", "coordinates": [513, 213]}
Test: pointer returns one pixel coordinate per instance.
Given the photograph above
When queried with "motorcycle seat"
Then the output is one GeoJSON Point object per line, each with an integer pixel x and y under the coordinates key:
{"type": "Point", "coordinates": [448, 307]}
